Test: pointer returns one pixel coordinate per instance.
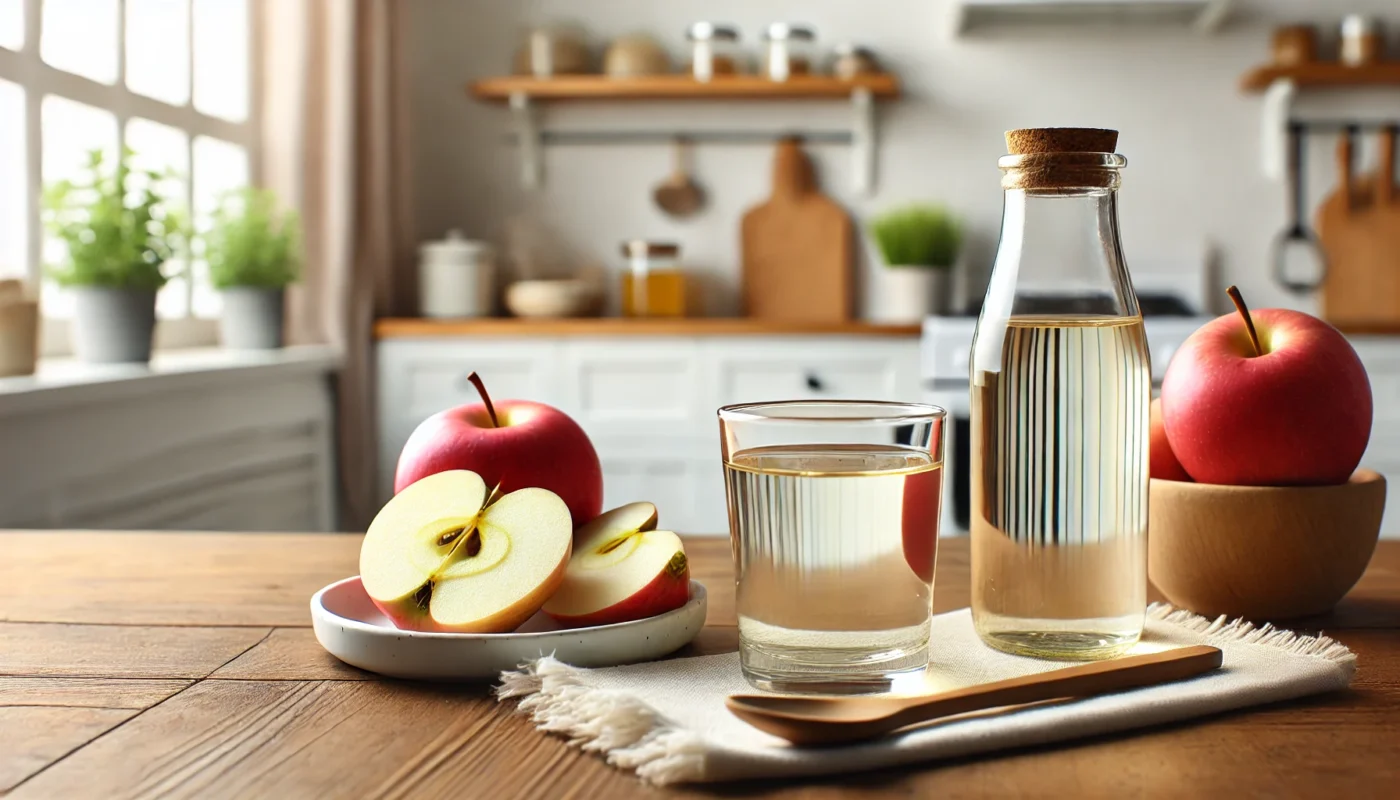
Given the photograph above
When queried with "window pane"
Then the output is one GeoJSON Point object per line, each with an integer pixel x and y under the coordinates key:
{"type": "Point", "coordinates": [14, 231]}
{"type": "Point", "coordinates": [80, 36]}
{"type": "Point", "coordinates": [12, 24]}
{"type": "Point", "coordinates": [164, 149]}
{"type": "Point", "coordinates": [218, 168]}
{"type": "Point", "coordinates": [158, 49]}
{"type": "Point", "coordinates": [221, 58]}
{"type": "Point", "coordinates": [70, 131]}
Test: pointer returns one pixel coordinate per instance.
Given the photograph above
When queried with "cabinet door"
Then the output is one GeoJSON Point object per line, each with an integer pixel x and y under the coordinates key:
{"type": "Point", "coordinates": [629, 387]}
{"type": "Point", "coordinates": [1381, 356]}
{"type": "Point", "coordinates": [814, 368]}
{"type": "Point", "coordinates": [418, 378]}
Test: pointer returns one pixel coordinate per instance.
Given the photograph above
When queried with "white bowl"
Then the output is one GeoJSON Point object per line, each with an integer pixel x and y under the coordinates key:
{"type": "Point", "coordinates": [353, 630]}
{"type": "Point", "coordinates": [552, 299]}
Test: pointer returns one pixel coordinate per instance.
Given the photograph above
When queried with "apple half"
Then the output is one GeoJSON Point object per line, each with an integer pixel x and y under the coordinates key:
{"type": "Point", "coordinates": [446, 555]}
{"type": "Point", "coordinates": [622, 569]}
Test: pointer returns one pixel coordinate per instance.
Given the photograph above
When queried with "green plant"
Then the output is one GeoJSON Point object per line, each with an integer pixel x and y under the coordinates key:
{"type": "Point", "coordinates": [253, 242]}
{"type": "Point", "coordinates": [918, 236]}
{"type": "Point", "coordinates": [119, 230]}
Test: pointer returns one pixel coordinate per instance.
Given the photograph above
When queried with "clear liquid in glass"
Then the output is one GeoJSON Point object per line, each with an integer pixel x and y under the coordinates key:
{"type": "Point", "coordinates": [835, 548]}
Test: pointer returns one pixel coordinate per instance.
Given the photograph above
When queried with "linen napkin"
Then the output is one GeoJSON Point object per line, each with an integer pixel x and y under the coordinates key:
{"type": "Point", "coordinates": [667, 720]}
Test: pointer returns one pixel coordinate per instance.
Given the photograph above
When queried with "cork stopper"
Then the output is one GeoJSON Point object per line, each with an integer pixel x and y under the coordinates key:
{"type": "Point", "coordinates": [1024, 141]}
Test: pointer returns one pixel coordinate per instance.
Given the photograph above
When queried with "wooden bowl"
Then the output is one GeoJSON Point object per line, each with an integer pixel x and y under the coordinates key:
{"type": "Point", "coordinates": [1262, 552]}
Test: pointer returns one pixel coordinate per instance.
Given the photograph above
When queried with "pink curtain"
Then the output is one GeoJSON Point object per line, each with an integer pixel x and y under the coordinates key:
{"type": "Point", "coordinates": [333, 120]}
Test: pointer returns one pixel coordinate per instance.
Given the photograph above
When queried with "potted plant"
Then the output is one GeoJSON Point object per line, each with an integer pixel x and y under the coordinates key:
{"type": "Point", "coordinates": [120, 232]}
{"type": "Point", "coordinates": [919, 244]}
{"type": "Point", "coordinates": [254, 252]}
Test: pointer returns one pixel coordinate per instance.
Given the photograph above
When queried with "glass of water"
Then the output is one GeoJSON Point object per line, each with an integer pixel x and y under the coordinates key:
{"type": "Point", "coordinates": [833, 515]}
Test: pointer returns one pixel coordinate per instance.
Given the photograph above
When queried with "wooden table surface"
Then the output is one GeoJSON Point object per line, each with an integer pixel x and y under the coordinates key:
{"type": "Point", "coordinates": [183, 664]}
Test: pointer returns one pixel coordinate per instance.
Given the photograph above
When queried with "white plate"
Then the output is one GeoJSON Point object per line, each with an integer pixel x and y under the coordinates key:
{"type": "Point", "coordinates": [349, 626]}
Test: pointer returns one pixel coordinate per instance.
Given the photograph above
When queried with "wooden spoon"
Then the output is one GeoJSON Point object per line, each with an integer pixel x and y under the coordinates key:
{"type": "Point", "coordinates": [834, 720]}
{"type": "Point", "coordinates": [678, 195]}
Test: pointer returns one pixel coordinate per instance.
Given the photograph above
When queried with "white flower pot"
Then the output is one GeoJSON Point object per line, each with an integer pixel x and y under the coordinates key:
{"type": "Point", "coordinates": [908, 294]}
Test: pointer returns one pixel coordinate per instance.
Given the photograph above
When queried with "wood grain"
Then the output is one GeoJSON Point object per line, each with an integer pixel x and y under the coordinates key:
{"type": "Point", "coordinates": [119, 651]}
{"type": "Point", "coordinates": [680, 87]}
{"type": "Point", "coordinates": [1358, 228]}
{"type": "Point", "coordinates": [169, 578]}
{"type": "Point", "coordinates": [1323, 74]}
{"type": "Point", "coordinates": [32, 737]}
{"type": "Point", "coordinates": [616, 326]}
{"type": "Point", "coordinates": [128, 693]}
{"type": "Point", "coordinates": [281, 720]}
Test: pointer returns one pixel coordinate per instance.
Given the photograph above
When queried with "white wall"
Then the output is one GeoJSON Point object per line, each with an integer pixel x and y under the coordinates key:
{"type": "Point", "coordinates": [1191, 137]}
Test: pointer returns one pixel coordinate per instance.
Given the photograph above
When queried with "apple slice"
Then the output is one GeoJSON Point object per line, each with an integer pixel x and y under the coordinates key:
{"type": "Point", "coordinates": [443, 555]}
{"type": "Point", "coordinates": [622, 569]}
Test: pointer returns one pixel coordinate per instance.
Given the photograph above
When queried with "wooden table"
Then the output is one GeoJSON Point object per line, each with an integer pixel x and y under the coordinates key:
{"type": "Point", "coordinates": [182, 664]}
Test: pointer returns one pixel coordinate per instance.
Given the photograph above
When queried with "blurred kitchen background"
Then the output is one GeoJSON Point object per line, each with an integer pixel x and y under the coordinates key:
{"type": "Point", "coordinates": [473, 195]}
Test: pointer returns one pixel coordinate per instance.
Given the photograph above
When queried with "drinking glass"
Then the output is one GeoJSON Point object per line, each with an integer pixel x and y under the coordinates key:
{"type": "Point", "coordinates": [833, 515]}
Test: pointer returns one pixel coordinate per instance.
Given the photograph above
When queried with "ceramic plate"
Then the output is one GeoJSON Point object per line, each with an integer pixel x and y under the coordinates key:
{"type": "Point", "coordinates": [349, 626]}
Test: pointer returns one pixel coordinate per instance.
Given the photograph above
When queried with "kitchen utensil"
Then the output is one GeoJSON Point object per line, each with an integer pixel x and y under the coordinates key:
{"type": "Point", "coordinates": [635, 55]}
{"type": "Point", "coordinates": [836, 720]}
{"type": "Point", "coordinates": [553, 299]}
{"type": "Point", "coordinates": [1294, 44]}
{"type": "Point", "coordinates": [349, 626]}
{"type": "Point", "coordinates": [1262, 552]}
{"type": "Point", "coordinates": [797, 247]}
{"type": "Point", "coordinates": [1359, 227]}
{"type": "Point", "coordinates": [1295, 245]}
{"type": "Point", "coordinates": [456, 277]}
{"type": "Point", "coordinates": [678, 195]}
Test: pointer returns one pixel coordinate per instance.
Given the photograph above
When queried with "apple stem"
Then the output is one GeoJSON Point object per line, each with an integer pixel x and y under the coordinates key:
{"type": "Point", "coordinates": [485, 398]}
{"type": "Point", "coordinates": [1238, 299]}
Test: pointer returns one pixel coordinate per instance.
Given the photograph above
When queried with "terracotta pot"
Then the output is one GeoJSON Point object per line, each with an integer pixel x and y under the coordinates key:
{"type": "Point", "coordinates": [1262, 552]}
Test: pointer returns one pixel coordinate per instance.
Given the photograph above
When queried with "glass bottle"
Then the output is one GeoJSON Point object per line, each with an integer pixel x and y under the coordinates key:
{"type": "Point", "coordinates": [653, 284]}
{"type": "Point", "coordinates": [1060, 389]}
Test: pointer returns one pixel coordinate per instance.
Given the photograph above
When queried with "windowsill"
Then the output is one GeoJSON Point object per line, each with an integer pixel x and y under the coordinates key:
{"type": "Point", "coordinates": [69, 382]}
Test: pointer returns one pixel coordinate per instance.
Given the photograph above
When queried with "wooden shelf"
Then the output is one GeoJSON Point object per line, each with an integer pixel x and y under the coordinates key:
{"type": "Point", "coordinates": [615, 326]}
{"type": "Point", "coordinates": [1323, 74]}
{"type": "Point", "coordinates": [680, 87]}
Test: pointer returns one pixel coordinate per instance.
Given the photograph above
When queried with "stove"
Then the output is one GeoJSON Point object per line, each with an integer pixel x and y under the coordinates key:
{"type": "Point", "coordinates": [1173, 302]}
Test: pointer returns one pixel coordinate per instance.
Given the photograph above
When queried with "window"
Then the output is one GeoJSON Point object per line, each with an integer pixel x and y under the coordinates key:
{"type": "Point", "coordinates": [169, 79]}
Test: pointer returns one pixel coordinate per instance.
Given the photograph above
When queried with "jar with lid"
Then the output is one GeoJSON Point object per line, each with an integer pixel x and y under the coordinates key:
{"type": "Point", "coordinates": [714, 50]}
{"type": "Point", "coordinates": [789, 50]}
{"type": "Point", "coordinates": [653, 284]}
{"type": "Point", "coordinates": [456, 277]}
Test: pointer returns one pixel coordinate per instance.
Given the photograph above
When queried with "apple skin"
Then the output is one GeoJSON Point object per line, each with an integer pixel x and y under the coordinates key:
{"type": "Point", "coordinates": [1297, 415]}
{"type": "Point", "coordinates": [1162, 463]}
{"type": "Point", "coordinates": [406, 614]}
{"type": "Point", "coordinates": [536, 445]}
{"type": "Point", "coordinates": [923, 493]}
{"type": "Point", "coordinates": [669, 590]}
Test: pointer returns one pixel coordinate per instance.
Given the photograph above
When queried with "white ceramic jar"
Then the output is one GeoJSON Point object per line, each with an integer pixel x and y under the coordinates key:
{"type": "Point", "coordinates": [456, 277]}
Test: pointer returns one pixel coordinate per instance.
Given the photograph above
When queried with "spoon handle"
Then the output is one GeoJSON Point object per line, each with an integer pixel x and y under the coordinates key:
{"type": "Point", "coordinates": [1082, 680]}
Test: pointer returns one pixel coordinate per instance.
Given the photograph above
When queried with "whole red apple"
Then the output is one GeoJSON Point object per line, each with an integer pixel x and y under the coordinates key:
{"type": "Point", "coordinates": [1162, 461]}
{"type": "Point", "coordinates": [1276, 398]}
{"type": "Point", "coordinates": [517, 444]}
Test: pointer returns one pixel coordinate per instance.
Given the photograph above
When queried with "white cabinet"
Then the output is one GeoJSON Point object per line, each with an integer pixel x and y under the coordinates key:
{"type": "Point", "coordinates": [647, 402]}
{"type": "Point", "coordinates": [1381, 355]}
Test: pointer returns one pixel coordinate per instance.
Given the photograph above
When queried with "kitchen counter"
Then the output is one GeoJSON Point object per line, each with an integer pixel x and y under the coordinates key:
{"type": "Point", "coordinates": [184, 664]}
{"type": "Point", "coordinates": [617, 326]}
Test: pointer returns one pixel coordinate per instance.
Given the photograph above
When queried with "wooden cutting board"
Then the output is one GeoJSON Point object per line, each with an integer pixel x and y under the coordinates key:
{"type": "Point", "coordinates": [797, 248]}
{"type": "Point", "coordinates": [1358, 226]}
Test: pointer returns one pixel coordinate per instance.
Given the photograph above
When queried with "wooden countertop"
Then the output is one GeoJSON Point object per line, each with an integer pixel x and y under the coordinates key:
{"type": "Point", "coordinates": [616, 326]}
{"type": "Point", "coordinates": [183, 664]}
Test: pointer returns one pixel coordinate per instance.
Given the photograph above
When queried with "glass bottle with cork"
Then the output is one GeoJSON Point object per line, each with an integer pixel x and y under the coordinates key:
{"type": "Point", "coordinates": [1060, 389]}
{"type": "Point", "coordinates": [653, 284]}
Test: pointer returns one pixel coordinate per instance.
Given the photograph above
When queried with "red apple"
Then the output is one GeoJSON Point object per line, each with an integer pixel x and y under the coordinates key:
{"type": "Point", "coordinates": [1276, 398]}
{"type": "Point", "coordinates": [1162, 461]}
{"type": "Point", "coordinates": [622, 569]}
{"type": "Point", "coordinates": [514, 445]}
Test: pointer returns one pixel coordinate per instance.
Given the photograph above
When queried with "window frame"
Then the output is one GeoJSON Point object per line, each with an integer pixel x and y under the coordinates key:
{"type": "Point", "coordinates": [27, 68]}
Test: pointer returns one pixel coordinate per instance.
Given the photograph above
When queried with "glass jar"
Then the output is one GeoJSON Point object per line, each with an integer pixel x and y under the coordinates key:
{"type": "Point", "coordinates": [653, 285]}
{"type": "Point", "coordinates": [714, 50]}
{"type": "Point", "coordinates": [850, 60]}
{"type": "Point", "coordinates": [1061, 383]}
{"type": "Point", "coordinates": [789, 50]}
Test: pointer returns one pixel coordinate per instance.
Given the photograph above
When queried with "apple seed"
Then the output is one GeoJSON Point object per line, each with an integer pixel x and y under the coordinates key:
{"type": "Point", "coordinates": [450, 537]}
